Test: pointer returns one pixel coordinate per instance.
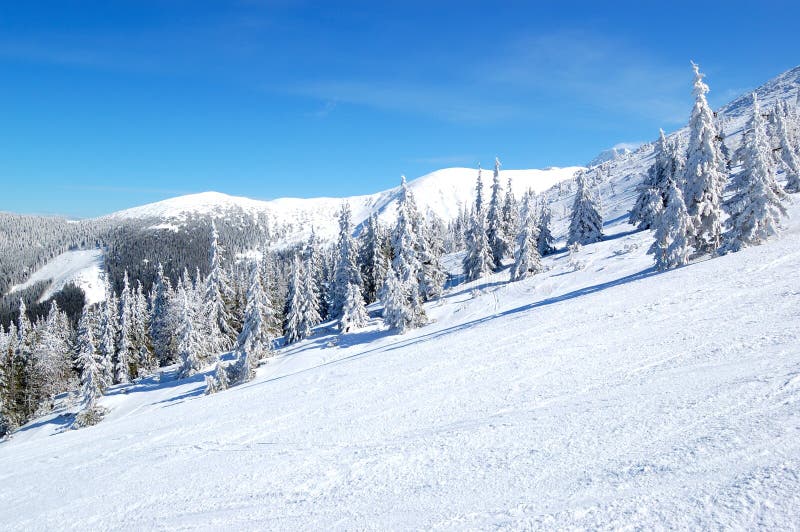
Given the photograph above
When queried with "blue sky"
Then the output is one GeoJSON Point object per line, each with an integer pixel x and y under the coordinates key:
{"type": "Point", "coordinates": [106, 105]}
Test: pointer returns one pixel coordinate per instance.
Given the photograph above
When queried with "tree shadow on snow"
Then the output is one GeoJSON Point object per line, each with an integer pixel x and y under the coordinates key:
{"type": "Point", "coordinates": [400, 344]}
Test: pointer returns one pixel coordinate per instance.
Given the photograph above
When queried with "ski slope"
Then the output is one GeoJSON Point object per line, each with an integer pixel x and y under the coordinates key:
{"type": "Point", "coordinates": [608, 397]}
{"type": "Point", "coordinates": [82, 267]}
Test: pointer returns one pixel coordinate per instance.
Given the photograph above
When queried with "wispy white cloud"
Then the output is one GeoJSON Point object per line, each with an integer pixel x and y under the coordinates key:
{"type": "Point", "coordinates": [602, 71]}
{"type": "Point", "coordinates": [447, 103]}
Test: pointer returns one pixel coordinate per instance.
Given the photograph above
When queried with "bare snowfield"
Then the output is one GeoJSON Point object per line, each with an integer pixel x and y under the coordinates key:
{"type": "Point", "coordinates": [611, 397]}
{"type": "Point", "coordinates": [84, 267]}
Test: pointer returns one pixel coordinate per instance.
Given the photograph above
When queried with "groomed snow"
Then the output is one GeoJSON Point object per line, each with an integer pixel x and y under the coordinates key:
{"type": "Point", "coordinates": [610, 397]}
{"type": "Point", "coordinates": [83, 267]}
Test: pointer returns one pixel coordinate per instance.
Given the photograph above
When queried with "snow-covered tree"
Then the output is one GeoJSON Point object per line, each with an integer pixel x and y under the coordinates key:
{"type": "Point", "coordinates": [527, 260]}
{"type": "Point", "coordinates": [406, 262]}
{"type": "Point", "coordinates": [297, 325]}
{"type": "Point", "coordinates": [254, 342]}
{"type": "Point", "coordinates": [673, 228]}
{"type": "Point", "coordinates": [705, 174]}
{"type": "Point", "coordinates": [185, 336]}
{"type": "Point", "coordinates": [87, 363]}
{"type": "Point", "coordinates": [397, 314]}
{"type": "Point", "coordinates": [787, 148]}
{"type": "Point", "coordinates": [757, 205]}
{"type": "Point", "coordinates": [354, 313]}
{"type": "Point", "coordinates": [160, 318]}
{"type": "Point", "coordinates": [127, 353]}
{"type": "Point", "coordinates": [432, 276]}
{"type": "Point", "coordinates": [496, 229]}
{"type": "Point", "coordinates": [511, 214]}
{"type": "Point", "coordinates": [218, 298]}
{"type": "Point", "coordinates": [651, 200]}
{"type": "Point", "coordinates": [545, 242]}
{"type": "Point", "coordinates": [374, 262]}
{"type": "Point", "coordinates": [219, 380]}
{"type": "Point", "coordinates": [586, 223]}
{"type": "Point", "coordinates": [478, 259]}
{"type": "Point", "coordinates": [347, 271]}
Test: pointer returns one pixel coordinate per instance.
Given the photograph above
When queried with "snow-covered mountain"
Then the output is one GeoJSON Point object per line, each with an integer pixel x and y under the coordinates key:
{"type": "Point", "coordinates": [443, 192]}
{"type": "Point", "coordinates": [611, 154]}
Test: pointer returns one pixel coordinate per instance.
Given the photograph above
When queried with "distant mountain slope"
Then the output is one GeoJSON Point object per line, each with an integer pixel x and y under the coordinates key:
{"type": "Point", "coordinates": [442, 192]}
{"type": "Point", "coordinates": [84, 268]}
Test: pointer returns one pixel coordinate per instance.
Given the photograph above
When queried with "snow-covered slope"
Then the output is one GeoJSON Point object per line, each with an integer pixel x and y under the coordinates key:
{"type": "Point", "coordinates": [603, 398]}
{"type": "Point", "coordinates": [84, 268]}
{"type": "Point", "coordinates": [442, 192]}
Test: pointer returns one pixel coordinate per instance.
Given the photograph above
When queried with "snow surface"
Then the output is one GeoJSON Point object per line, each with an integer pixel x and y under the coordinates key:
{"type": "Point", "coordinates": [83, 267]}
{"type": "Point", "coordinates": [609, 397]}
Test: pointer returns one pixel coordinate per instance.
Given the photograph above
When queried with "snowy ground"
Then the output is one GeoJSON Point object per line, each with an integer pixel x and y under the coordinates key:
{"type": "Point", "coordinates": [82, 267]}
{"type": "Point", "coordinates": [610, 397]}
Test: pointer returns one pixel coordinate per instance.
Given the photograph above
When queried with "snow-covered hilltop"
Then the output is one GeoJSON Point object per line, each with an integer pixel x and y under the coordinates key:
{"type": "Point", "coordinates": [444, 192]}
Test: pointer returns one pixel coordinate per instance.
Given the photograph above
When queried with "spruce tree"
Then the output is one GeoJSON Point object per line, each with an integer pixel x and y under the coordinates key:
{"type": "Point", "coordinates": [87, 362]}
{"type": "Point", "coordinates": [397, 313]}
{"type": "Point", "coordinates": [651, 200]}
{"type": "Point", "coordinates": [511, 214]}
{"type": "Point", "coordinates": [160, 319]}
{"type": "Point", "coordinates": [545, 241]}
{"type": "Point", "coordinates": [705, 174]}
{"type": "Point", "coordinates": [254, 342]}
{"type": "Point", "coordinates": [527, 260]}
{"type": "Point", "coordinates": [757, 205]}
{"type": "Point", "coordinates": [217, 299]}
{"type": "Point", "coordinates": [586, 224]}
{"type": "Point", "coordinates": [496, 229]}
{"type": "Point", "coordinates": [373, 260]}
{"type": "Point", "coordinates": [787, 146]}
{"type": "Point", "coordinates": [188, 359]}
{"type": "Point", "coordinates": [432, 276]}
{"type": "Point", "coordinates": [406, 262]}
{"type": "Point", "coordinates": [347, 272]}
{"type": "Point", "coordinates": [354, 313]}
{"type": "Point", "coordinates": [673, 228]}
{"type": "Point", "coordinates": [126, 352]}
{"type": "Point", "coordinates": [295, 328]}
{"type": "Point", "coordinates": [478, 258]}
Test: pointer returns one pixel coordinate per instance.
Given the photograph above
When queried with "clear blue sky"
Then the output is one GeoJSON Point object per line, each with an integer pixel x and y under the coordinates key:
{"type": "Point", "coordinates": [110, 104]}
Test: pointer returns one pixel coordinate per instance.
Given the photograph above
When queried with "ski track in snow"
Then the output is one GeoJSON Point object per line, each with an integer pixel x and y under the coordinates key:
{"type": "Point", "coordinates": [610, 397]}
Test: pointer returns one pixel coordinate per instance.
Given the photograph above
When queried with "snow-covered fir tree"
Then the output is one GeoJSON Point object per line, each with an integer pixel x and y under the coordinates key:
{"type": "Point", "coordinates": [397, 314]}
{"type": "Point", "coordinates": [186, 344]}
{"type": "Point", "coordinates": [673, 228]}
{"type": "Point", "coordinates": [217, 299]}
{"type": "Point", "coordinates": [527, 260]}
{"type": "Point", "coordinates": [586, 223]}
{"type": "Point", "coordinates": [86, 361]}
{"type": "Point", "coordinates": [478, 259]}
{"type": "Point", "coordinates": [160, 318]}
{"type": "Point", "coordinates": [651, 200]}
{"type": "Point", "coordinates": [139, 327]}
{"type": "Point", "coordinates": [406, 263]}
{"type": "Point", "coordinates": [545, 241]}
{"type": "Point", "coordinates": [511, 214]}
{"type": "Point", "coordinates": [374, 262]}
{"type": "Point", "coordinates": [787, 146]}
{"type": "Point", "coordinates": [757, 206]}
{"type": "Point", "coordinates": [347, 271]}
{"type": "Point", "coordinates": [496, 228]}
{"type": "Point", "coordinates": [432, 275]}
{"type": "Point", "coordinates": [296, 325]}
{"type": "Point", "coordinates": [354, 313]}
{"type": "Point", "coordinates": [127, 353]}
{"type": "Point", "coordinates": [705, 173]}
{"type": "Point", "coordinates": [254, 342]}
